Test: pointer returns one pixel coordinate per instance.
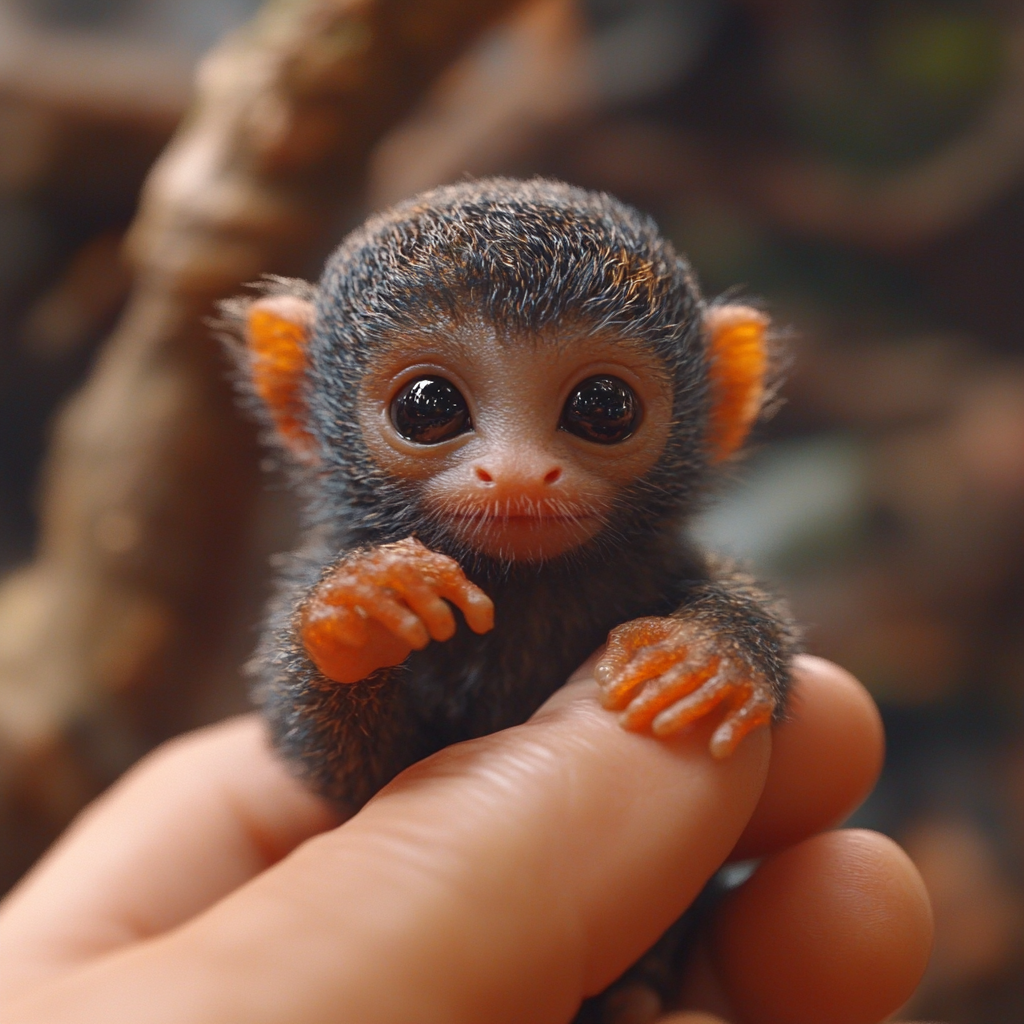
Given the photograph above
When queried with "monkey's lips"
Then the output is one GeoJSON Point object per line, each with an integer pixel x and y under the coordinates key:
{"type": "Point", "coordinates": [523, 535]}
{"type": "Point", "coordinates": [536, 518]}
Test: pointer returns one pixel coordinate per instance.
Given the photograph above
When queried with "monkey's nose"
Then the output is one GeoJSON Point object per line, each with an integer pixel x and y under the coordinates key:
{"type": "Point", "coordinates": [515, 476]}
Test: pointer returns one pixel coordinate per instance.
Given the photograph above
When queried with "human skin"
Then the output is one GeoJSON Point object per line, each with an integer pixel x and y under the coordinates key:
{"type": "Point", "coordinates": [501, 880]}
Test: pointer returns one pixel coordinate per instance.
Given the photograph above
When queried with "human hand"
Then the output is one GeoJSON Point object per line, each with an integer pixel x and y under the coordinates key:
{"type": "Point", "coordinates": [501, 880]}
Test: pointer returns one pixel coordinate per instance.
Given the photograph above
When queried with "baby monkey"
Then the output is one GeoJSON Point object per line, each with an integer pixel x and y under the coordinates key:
{"type": "Point", "coordinates": [504, 398]}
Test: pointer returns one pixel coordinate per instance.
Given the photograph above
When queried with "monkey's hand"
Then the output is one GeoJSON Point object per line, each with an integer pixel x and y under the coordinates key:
{"type": "Point", "coordinates": [376, 606]}
{"type": "Point", "coordinates": [666, 673]}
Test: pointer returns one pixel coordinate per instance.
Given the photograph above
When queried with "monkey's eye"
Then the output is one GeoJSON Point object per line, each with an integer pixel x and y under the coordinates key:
{"type": "Point", "coordinates": [429, 410]}
{"type": "Point", "coordinates": [601, 409]}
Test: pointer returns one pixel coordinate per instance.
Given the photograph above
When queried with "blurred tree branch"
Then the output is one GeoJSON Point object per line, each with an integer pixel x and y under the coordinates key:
{"type": "Point", "coordinates": [810, 196]}
{"type": "Point", "coordinates": [88, 75]}
{"type": "Point", "coordinates": [152, 475]}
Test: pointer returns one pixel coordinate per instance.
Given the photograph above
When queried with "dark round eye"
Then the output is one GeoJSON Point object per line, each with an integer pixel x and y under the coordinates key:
{"type": "Point", "coordinates": [429, 410]}
{"type": "Point", "coordinates": [601, 409]}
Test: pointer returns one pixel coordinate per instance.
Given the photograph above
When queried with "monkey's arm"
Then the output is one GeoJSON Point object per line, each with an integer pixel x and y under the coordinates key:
{"type": "Point", "coordinates": [729, 645]}
{"type": "Point", "coordinates": [351, 621]}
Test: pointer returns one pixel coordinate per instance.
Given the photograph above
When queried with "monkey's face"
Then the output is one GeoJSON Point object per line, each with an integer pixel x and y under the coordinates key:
{"type": "Point", "coordinates": [441, 380]}
{"type": "Point", "coordinates": [518, 446]}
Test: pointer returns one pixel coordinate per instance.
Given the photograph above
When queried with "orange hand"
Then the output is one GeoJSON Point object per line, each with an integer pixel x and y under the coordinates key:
{"type": "Point", "coordinates": [379, 605]}
{"type": "Point", "coordinates": [666, 673]}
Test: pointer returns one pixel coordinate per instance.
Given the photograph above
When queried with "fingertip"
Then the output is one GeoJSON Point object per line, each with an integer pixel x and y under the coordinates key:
{"type": "Point", "coordinates": [826, 757]}
{"type": "Point", "coordinates": [414, 633]}
{"type": "Point", "coordinates": [442, 633]}
{"type": "Point", "coordinates": [442, 624]}
{"type": "Point", "coordinates": [610, 701]}
{"type": "Point", "coordinates": [729, 735]}
{"type": "Point", "coordinates": [795, 944]}
{"type": "Point", "coordinates": [479, 613]}
{"type": "Point", "coordinates": [604, 666]}
{"type": "Point", "coordinates": [722, 743]}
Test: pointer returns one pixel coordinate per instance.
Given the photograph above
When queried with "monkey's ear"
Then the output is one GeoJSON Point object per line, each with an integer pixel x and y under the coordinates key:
{"type": "Point", "coordinates": [738, 363]}
{"type": "Point", "coordinates": [277, 330]}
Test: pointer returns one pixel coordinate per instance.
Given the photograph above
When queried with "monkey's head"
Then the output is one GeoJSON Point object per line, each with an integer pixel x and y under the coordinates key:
{"type": "Point", "coordinates": [511, 370]}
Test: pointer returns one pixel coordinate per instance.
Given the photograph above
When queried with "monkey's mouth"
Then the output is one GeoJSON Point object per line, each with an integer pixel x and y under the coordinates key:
{"type": "Point", "coordinates": [537, 518]}
{"type": "Point", "coordinates": [525, 534]}
{"type": "Point", "coordinates": [525, 518]}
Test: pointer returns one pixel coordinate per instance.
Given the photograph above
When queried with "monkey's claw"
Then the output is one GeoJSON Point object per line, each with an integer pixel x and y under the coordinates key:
{"type": "Point", "coordinates": [666, 673]}
{"type": "Point", "coordinates": [392, 599]}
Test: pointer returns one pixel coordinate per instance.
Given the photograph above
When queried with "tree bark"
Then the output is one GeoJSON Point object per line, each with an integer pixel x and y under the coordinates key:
{"type": "Point", "coordinates": [107, 636]}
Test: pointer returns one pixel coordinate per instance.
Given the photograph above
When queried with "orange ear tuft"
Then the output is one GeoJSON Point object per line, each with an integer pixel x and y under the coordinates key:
{"type": "Point", "coordinates": [738, 361]}
{"type": "Point", "coordinates": [277, 334]}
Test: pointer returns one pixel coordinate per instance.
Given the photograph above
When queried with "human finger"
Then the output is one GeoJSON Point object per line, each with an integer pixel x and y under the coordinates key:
{"type": "Point", "coordinates": [191, 822]}
{"type": "Point", "coordinates": [826, 758]}
{"type": "Point", "coordinates": [800, 744]}
{"type": "Point", "coordinates": [796, 943]}
{"type": "Point", "coordinates": [503, 879]}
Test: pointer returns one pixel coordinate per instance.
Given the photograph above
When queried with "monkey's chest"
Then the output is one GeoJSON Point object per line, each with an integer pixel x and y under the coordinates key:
{"type": "Point", "coordinates": [473, 685]}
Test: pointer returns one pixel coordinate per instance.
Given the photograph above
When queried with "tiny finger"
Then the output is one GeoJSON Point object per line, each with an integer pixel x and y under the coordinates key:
{"type": "Point", "coordinates": [756, 712]}
{"type": "Point", "coordinates": [474, 604]}
{"type": "Point", "coordinates": [619, 648]}
{"type": "Point", "coordinates": [691, 707]}
{"type": "Point", "coordinates": [435, 614]}
{"type": "Point", "coordinates": [610, 664]}
{"type": "Point", "coordinates": [660, 694]}
{"type": "Point", "coordinates": [329, 625]}
{"type": "Point", "coordinates": [624, 641]}
{"type": "Point", "coordinates": [646, 665]}
{"type": "Point", "coordinates": [398, 618]}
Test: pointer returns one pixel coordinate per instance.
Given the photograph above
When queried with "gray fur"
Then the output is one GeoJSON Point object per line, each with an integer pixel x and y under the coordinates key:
{"type": "Point", "coordinates": [526, 255]}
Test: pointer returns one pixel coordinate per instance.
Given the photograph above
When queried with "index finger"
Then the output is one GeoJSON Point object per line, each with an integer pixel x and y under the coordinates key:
{"type": "Point", "coordinates": [183, 822]}
{"type": "Point", "coordinates": [503, 879]}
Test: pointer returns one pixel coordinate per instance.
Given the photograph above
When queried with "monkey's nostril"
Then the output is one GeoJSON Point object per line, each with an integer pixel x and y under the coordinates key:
{"type": "Point", "coordinates": [483, 476]}
{"type": "Point", "coordinates": [553, 476]}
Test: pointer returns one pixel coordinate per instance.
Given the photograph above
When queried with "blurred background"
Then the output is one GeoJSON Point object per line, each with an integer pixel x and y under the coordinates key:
{"type": "Point", "coordinates": [859, 166]}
